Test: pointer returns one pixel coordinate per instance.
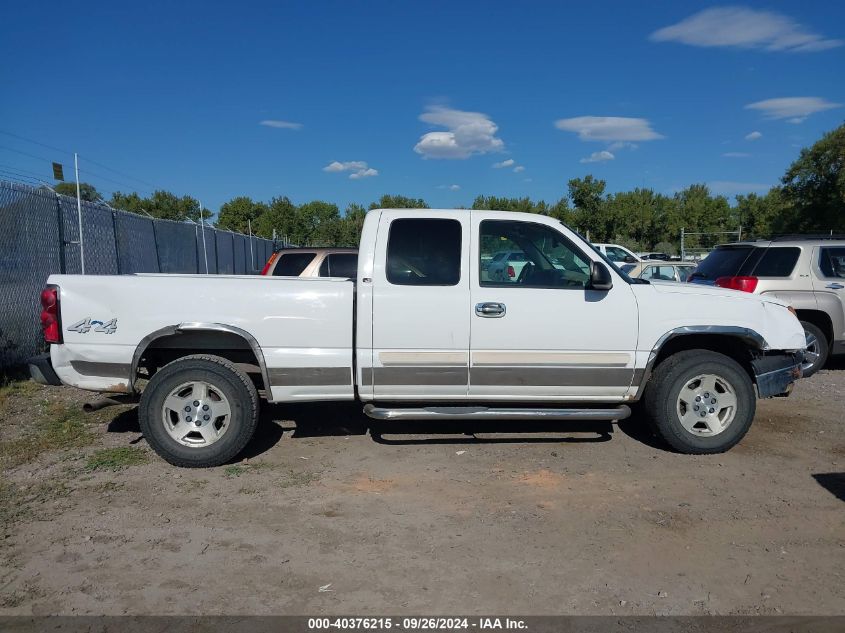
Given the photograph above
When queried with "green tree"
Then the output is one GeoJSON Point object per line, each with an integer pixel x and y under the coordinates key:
{"type": "Point", "coordinates": [814, 187]}
{"type": "Point", "coordinates": [758, 215]}
{"type": "Point", "coordinates": [523, 205]}
{"type": "Point", "coordinates": [237, 213]}
{"type": "Point", "coordinates": [280, 215]}
{"type": "Point", "coordinates": [87, 192]}
{"type": "Point", "coordinates": [587, 195]}
{"type": "Point", "coordinates": [162, 204]}
{"type": "Point", "coordinates": [398, 202]}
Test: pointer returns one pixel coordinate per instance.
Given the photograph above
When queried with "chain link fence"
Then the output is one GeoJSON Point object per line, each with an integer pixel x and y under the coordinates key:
{"type": "Point", "coordinates": [39, 236]}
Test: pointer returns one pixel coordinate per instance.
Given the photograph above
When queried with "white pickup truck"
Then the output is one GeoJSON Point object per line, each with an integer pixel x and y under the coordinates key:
{"type": "Point", "coordinates": [423, 334]}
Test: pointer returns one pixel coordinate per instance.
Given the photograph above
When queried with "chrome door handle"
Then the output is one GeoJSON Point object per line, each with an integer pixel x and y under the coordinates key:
{"type": "Point", "coordinates": [491, 310]}
{"type": "Point", "coordinates": [835, 286]}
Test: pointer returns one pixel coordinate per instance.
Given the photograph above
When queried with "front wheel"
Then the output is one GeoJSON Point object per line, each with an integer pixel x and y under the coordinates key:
{"type": "Point", "coordinates": [199, 411]}
{"type": "Point", "coordinates": [700, 402]}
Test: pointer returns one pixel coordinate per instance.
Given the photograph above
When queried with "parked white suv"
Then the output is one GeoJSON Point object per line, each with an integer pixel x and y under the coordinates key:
{"type": "Point", "coordinates": [806, 271]}
{"type": "Point", "coordinates": [618, 254]}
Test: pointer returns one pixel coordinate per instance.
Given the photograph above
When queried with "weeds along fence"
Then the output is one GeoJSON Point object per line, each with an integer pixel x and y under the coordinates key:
{"type": "Point", "coordinates": [39, 236]}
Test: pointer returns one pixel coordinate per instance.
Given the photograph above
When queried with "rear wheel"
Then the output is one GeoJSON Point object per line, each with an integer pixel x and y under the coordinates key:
{"type": "Point", "coordinates": [700, 402]}
{"type": "Point", "coordinates": [199, 411]}
{"type": "Point", "coordinates": [817, 349]}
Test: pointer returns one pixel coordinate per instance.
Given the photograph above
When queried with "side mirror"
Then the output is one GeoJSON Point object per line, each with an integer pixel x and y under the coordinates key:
{"type": "Point", "coordinates": [600, 278]}
{"type": "Point", "coordinates": [630, 259]}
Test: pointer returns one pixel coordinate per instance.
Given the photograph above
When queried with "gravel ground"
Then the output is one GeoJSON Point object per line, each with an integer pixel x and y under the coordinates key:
{"type": "Point", "coordinates": [327, 516]}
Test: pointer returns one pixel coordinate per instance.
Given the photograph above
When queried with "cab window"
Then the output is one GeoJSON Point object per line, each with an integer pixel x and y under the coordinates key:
{"type": "Point", "coordinates": [659, 273]}
{"type": "Point", "coordinates": [340, 265]}
{"type": "Point", "coordinates": [537, 256]}
{"type": "Point", "coordinates": [292, 264]}
{"type": "Point", "coordinates": [424, 252]}
{"type": "Point", "coordinates": [832, 262]}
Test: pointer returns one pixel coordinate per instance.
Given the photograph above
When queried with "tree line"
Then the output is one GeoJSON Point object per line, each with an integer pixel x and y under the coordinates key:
{"type": "Point", "coordinates": [809, 198]}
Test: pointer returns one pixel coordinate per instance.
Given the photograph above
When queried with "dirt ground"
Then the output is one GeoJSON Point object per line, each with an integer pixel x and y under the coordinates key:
{"type": "Point", "coordinates": [326, 516]}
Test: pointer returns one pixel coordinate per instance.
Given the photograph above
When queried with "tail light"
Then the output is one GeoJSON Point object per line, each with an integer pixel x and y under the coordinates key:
{"type": "Point", "coordinates": [268, 264]}
{"type": "Point", "coordinates": [511, 271]}
{"type": "Point", "coordinates": [50, 320]}
{"type": "Point", "coordinates": [745, 284]}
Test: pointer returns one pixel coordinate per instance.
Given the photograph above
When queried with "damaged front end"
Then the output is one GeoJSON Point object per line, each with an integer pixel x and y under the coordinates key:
{"type": "Point", "coordinates": [776, 373]}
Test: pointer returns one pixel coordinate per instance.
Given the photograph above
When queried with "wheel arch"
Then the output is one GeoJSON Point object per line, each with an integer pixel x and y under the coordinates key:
{"type": "Point", "coordinates": [738, 343]}
{"type": "Point", "coordinates": [821, 320]}
{"type": "Point", "coordinates": [228, 341]}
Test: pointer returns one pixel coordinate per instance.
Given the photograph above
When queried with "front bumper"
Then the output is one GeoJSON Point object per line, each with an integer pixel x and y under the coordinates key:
{"type": "Point", "coordinates": [776, 373]}
{"type": "Point", "coordinates": [41, 370]}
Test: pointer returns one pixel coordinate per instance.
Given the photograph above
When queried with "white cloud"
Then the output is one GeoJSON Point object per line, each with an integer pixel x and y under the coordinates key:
{"type": "Point", "coordinates": [794, 109]}
{"type": "Point", "coordinates": [504, 163]}
{"type": "Point", "coordinates": [364, 173]}
{"type": "Point", "coordinates": [621, 145]}
{"type": "Point", "coordinates": [358, 168]}
{"type": "Point", "coordinates": [742, 27]}
{"type": "Point", "coordinates": [468, 133]}
{"type": "Point", "coordinates": [609, 128]}
{"type": "Point", "coordinates": [449, 187]}
{"type": "Point", "coordinates": [753, 136]}
{"type": "Point", "coordinates": [518, 169]}
{"type": "Point", "coordinates": [286, 125]}
{"type": "Point", "coordinates": [598, 157]}
{"type": "Point", "coordinates": [732, 188]}
{"type": "Point", "coordinates": [736, 155]}
{"type": "Point", "coordinates": [527, 180]}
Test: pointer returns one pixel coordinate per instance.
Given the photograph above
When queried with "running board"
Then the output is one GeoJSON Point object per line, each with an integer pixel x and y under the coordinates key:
{"type": "Point", "coordinates": [486, 413]}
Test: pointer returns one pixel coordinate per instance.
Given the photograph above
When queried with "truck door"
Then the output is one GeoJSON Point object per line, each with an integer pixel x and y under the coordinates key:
{"type": "Point", "coordinates": [420, 338]}
{"type": "Point", "coordinates": [542, 335]}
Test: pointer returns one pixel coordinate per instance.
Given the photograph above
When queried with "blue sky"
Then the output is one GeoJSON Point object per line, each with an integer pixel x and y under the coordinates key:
{"type": "Point", "coordinates": [422, 99]}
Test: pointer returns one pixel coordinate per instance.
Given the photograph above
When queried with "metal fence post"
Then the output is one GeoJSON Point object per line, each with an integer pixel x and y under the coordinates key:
{"type": "Point", "coordinates": [61, 226]}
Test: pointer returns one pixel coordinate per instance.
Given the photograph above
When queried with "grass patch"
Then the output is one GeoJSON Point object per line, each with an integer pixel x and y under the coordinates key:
{"type": "Point", "coordinates": [58, 428]}
{"type": "Point", "coordinates": [17, 502]}
{"type": "Point", "coordinates": [298, 479]}
{"type": "Point", "coordinates": [115, 459]}
{"type": "Point", "coordinates": [235, 470]}
{"type": "Point", "coordinates": [12, 388]}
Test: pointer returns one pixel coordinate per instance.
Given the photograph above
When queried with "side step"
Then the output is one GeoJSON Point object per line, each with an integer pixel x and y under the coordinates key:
{"type": "Point", "coordinates": [486, 413]}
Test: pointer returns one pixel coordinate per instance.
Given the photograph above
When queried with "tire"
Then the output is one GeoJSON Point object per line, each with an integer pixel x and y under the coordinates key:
{"type": "Point", "coordinates": [818, 343]}
{"type": "Point", "coordinates": [206, 435]}
{"type": "Point", "coordinates": [670, 401]}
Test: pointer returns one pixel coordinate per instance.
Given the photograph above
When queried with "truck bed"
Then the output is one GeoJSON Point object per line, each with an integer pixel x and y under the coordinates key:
{"type": "Point", "coordinates": [297, 323]}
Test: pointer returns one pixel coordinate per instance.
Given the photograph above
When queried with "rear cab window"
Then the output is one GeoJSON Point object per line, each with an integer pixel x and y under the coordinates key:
{"type": "Point", "coordinates": [292, 264]}
{"type": "Point", "coordinates": [424, 252]}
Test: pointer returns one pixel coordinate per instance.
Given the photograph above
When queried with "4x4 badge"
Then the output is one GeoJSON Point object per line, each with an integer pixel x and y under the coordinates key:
{"type": "Point", "coordinates": [85, 325]}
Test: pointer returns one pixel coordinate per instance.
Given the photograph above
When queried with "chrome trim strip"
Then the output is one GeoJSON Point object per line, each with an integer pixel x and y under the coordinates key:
{"type": "Point", "coordinates": [551, 376]}
{"type": "Point", "coordinates": [484, 413]}
{"type": "Point", "coordinates": [310, 376]}
{"type": "Point", "coordinates": [500, 376]}
{"type": "Point", "coordinates": [419, 376]}
{"type": "Point", "coordinates": [423, 358]}
{"type": "Point", "coordinates": [106, 370]}
{"type": "Point", "coordinates": [552, 359]}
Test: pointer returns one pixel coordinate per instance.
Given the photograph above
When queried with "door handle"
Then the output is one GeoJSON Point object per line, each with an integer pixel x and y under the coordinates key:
{"type": "Point", "coordinates": [835, 286]}
{"type": "Point", "coordinates": [491, 310]}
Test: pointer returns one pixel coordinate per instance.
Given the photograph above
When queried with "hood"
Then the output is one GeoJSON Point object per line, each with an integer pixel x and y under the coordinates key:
{"type": "Point", "coordinates": [686, 288]}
